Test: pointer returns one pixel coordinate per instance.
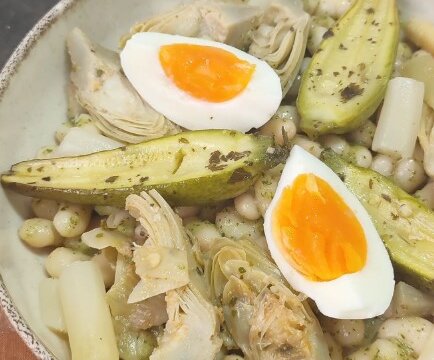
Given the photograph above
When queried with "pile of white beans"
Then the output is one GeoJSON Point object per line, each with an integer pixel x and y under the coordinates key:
{"type": "Point", "coordinates": [355, 147]}
{"type": "Point", "coordinates": [61, 226]}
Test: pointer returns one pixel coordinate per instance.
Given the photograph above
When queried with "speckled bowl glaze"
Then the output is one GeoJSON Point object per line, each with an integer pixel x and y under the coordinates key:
{"type": "Point", "coordinates": [32, 105]}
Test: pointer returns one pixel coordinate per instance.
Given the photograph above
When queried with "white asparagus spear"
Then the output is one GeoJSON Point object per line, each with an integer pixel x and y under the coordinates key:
{"type": "Point", "coordinates": [87, 315]}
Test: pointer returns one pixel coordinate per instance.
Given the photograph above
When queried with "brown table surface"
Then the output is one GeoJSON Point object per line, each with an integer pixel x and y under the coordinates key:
{"type": "Point", "coordinates": [11, 345]}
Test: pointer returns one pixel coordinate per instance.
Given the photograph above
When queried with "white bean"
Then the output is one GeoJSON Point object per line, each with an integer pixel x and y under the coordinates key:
{"type": "Point", "coordinates": [280, 128]}
{"type": "Point", "coordinates": [409, 175]}
{"type": "Point", "coordinates": [347, 333]}
{"type": "Point", "coordinates": [315, 38]}
{"type": "Point", "coordinates": [333, 8]}
{"type": "Point", "coordinates": [106, 262]}
{"type": "Point", "coordinates": [380, 349]}
{"type": "Point", "coordinates": [426, 194]}
{"type": "Point", "coordinates": [232, 225]}
{"type": "Point", "coordinates": [310, 146]}
{"type": "Point", "coordinates": [45, 209]}
{"type": "Point", "coordinates": [205, 232]}
{"type": "Point", "coordinates": [39, 233]}
{"type": "Point", "coordinates": [185, 212]}
{"type": "Point", "coordinates": [362, 156]}
{"type": "Point", "coordinates": [266, 186]}
{"type": "Point", "coordinates": [60, 258]}
{"type": "Point", "coordinates": [413, 331]}
{"type": "Point", "coordinates": [335, 142]}
{"type": "Point", "coordinates": [246, 206]}
{"type": "Point", "coordinates": [382, 164]}
{"type": "Point", "coordinates": [289, 113]}
{"type": "Point", "coordinates": [364, 135]}
{"type": "Point", "coordinates": [359, 155]}
{"type": "Point", "coordinates": [72, 220]}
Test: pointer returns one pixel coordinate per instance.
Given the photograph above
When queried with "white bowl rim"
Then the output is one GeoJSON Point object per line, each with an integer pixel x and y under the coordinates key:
{"type": "Point", "coordinates": [6, 75]}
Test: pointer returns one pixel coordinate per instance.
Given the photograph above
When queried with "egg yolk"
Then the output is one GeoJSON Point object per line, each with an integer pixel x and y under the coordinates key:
{"type": "Point", "coordinates": [205, 72]}
{"type": "Point", "coordinates": [317, 232]}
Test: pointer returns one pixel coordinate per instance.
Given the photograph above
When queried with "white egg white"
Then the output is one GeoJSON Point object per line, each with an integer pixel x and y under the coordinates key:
{"type": "Point", "coordinates": [363, 294]}
{"type": "Point", "coordinates": [252, 108]}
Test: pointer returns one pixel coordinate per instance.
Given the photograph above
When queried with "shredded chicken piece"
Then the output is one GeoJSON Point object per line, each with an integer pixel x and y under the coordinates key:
{"type": "Point", "coordinates": [102, 89]}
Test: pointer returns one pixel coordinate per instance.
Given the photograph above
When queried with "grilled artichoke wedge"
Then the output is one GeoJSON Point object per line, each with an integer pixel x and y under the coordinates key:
{"type": "Point", "coordinates": [347, 77]}
{"type": "Point", "coordinates": [190, 168]}
{"type": "Point", "coordinates": [405, 225]}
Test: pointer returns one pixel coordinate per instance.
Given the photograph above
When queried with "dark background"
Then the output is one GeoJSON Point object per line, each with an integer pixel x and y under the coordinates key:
{"type": "Point", "coordinates": [17, 17]}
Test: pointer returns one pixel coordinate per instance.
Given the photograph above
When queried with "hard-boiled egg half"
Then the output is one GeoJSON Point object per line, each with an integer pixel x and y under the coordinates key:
{"type": "Point", "coordinates": [201, 84]}
{"type": "Point", "coordinates": [324, 242]}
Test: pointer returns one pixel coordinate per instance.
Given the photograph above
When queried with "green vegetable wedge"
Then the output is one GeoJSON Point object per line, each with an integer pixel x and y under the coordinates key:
{"type": "Point", "coordinates": [196, 167]}
{"type": "Point", "coordinates": [405, 224]}
{"type": "Point", "coordinates": [347, 77]}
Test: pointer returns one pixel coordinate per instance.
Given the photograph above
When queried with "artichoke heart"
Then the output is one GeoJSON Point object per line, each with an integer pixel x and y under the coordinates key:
{"type": "Point", "coordinates": [192, 329]}
{"type": "Point", "coordinates": [99, 86]}
{"type": "Point", "coordinates": [347, 77]}
{"type": "Point", "coordinates": [266, 319]}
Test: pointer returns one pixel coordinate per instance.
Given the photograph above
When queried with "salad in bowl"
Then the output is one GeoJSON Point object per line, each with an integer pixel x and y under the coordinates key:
{"type": "Point", "coordinates": [235, 180]}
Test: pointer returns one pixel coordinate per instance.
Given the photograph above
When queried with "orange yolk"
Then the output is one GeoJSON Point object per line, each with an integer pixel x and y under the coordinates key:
{"type": "Point", "coordinates": [317, 232]}
{"type": "Point", "coordinates": [205, 72]}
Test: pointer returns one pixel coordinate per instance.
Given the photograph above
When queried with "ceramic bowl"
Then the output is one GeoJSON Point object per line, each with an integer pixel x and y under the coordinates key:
{"type": "Point", "coordinates": [32, 105]}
